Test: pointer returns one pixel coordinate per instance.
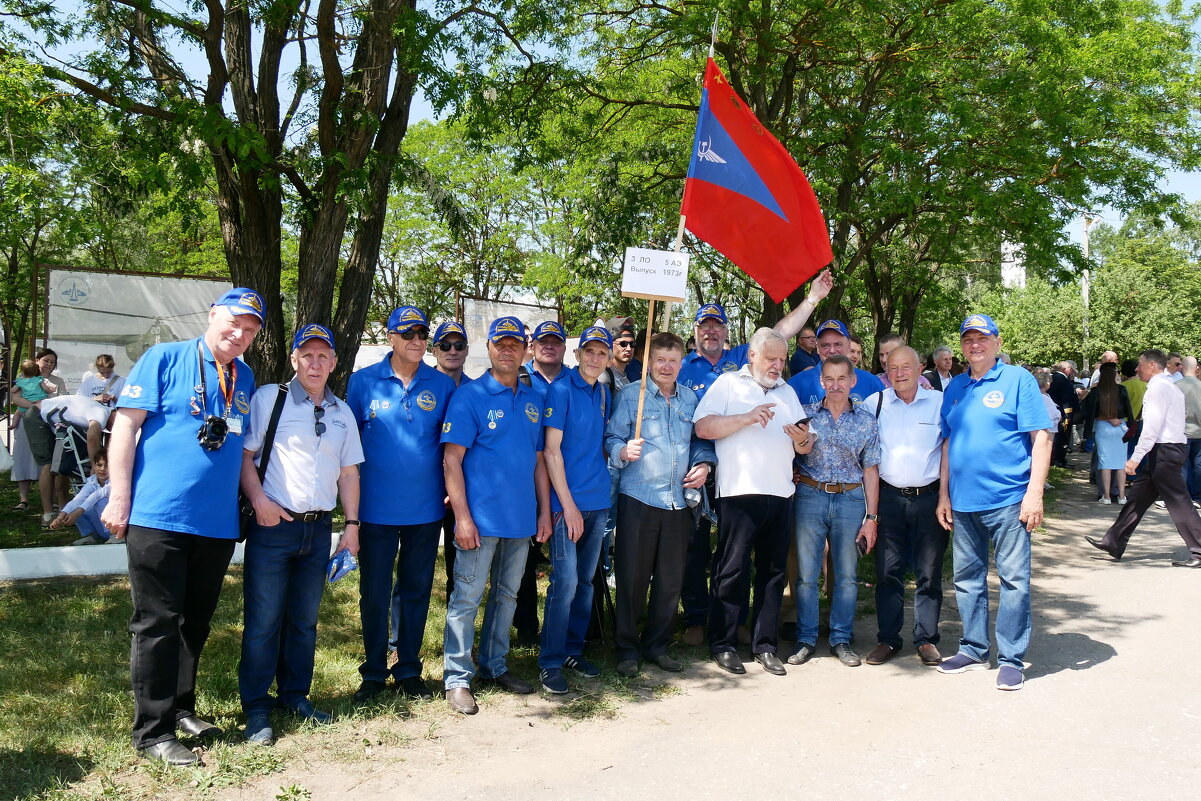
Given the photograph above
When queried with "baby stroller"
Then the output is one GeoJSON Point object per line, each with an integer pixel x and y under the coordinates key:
{"type": "Point", "coordinates": [70, 457]}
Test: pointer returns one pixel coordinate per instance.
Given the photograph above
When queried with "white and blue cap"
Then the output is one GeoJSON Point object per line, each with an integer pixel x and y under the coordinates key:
{"type": "Point", "coordinates": [549, 329]}
{"type": "Point", "coordinates": [313, 331]}
{"type": "Point", "coordinates": [503, 327]}
{"type": "Point", "coordinates": [980, 322]}
{"type": "Point", "coordinates": [711, 311]}
{"type": "Point", "coordinates": [596, 333]}
{"type": "Point", "coordinates": [833, 325]}
{"type": "Point", "coordinates": [449, 327]}
{"type": "Point", "coordinates": [405, 318]}
{"type": "Point", "coordinates": [242, 300]}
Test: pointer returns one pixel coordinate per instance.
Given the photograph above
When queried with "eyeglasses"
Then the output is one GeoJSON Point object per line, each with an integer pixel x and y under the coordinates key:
{"type": "Point", "coordinates": [420, 333]}
{"type": "Point", "coordinates": [624, 343]}
{"type": "Point", "coordinates": [318, 426]}
{"type": "Point", "coordinates": [446, 346]}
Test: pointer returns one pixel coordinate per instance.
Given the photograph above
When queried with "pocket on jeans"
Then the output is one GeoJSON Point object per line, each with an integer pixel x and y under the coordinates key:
{"type": "Point", "coordinates": [466, 563]}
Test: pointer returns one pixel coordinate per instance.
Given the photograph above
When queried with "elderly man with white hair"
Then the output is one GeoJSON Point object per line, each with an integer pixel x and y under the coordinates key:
{"type": "Point", "coordinates": [752, 416]}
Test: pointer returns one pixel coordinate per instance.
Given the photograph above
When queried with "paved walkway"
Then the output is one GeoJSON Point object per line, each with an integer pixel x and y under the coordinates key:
{"type": "Point", "coordinates": [1106, 712]}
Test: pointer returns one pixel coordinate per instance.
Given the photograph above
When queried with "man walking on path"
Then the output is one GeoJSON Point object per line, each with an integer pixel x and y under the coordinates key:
{"type": "Point", "coordinates": [1163, 444]}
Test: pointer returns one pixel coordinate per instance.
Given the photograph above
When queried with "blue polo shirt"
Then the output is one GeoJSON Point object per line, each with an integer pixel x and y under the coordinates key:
{"type": "Point", "coordinates": [698, 373]}
{"type": "Point", "coordinates": [178, 485]}
{"type": "Point", "coordinates": [802, 360]}
{"type": "Point", "coordinates": [538, 381]}
{"type": "Point", "coordinates": [400, 480]}
{"type": "Point", "coordinates": [808, 386]}
{"type": "Point", "coordinates": [502, 432]}
{"type": "Point", "coordinates": [581, 412]}
{"type": "Point", "coordinates": [987, 424]}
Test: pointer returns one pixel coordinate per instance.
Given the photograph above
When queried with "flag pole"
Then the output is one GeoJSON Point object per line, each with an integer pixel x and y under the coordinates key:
{"type": "Point", "coordinates": [676, 248]}
{"type": "Point", "coordinates": [646, 361]}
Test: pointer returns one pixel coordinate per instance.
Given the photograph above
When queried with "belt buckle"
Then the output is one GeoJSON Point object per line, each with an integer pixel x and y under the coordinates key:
{"type": "Point", "coordinates": [911, 491]}
{"type": "Point", "coordinates": [826, 487]}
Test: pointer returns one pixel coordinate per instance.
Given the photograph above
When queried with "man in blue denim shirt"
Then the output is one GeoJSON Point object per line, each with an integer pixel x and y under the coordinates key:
{"type": "Point", "coordinates": [837, 492]}
{"type": "Point", "coordinates": [652, 512]}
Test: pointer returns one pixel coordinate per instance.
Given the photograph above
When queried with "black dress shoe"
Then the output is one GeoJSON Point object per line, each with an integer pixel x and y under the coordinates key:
{"type": "Point", "coordinates": [507, 681]}
{"type": "Point", "coordinates": [771, 663]}
{"type": "Point", "coordinates": [169, 752]}
{"type": "Point", "coordinates": [729, 660]}
{"type": "Point", "coordinates": [368, 690]}
{"type": "Point", "coordinates": [665, 662]}
{"type": "Point", "coordinates": [1194, 562]}
{"type": "Point", "coordinates": [195, 727]}
{"type": "Point", "coordinates": [414, 687]}
{"type": "Point", "coordinates": [1100, 546]}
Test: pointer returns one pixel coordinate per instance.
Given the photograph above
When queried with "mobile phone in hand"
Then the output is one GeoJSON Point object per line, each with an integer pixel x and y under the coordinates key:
{"type": "Point", "coordinates": [861, 544]}
{"type": "Point", "coordinates": [802, 421]}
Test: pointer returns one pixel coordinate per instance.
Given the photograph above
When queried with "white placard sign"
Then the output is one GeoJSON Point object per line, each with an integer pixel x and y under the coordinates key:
{"type": "Point", "coordinates": [657, 274]}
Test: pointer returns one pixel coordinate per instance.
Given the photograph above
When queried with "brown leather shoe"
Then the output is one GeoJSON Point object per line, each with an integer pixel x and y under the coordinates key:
{"type": "Point", "coordinates": [929, 654]}
{"type": "Point", "coordinates": [693, 635]}
{"type": "Point", "coordinates": [461, 700]}
{"type": "Point", "coordinates": [881, 654]}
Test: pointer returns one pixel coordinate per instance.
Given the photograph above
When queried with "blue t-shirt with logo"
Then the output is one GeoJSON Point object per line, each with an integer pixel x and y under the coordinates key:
{"type": "Point", "coordinates": [178, 485]}
{"type": "Point", "coordinates": [808, 386]}
{"type": "Point", "coordinates": [581, 411]}
{"type": "Point", "coordinates": [400, 480]}
{"type": "Point", "coordinates": [698, 373]}
{"type": "Point", "coordinates": [987, 424]}
{"type": "Point", "coordinates": [502, 432]}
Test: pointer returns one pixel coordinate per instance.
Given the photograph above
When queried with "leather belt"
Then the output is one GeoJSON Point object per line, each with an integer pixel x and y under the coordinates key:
{"type": "Point", "coordinates": [832, 487]}
{"type": "Point", "coordinates": [912, 492]}
{"type": "Point", "coordinates": [306, 517]}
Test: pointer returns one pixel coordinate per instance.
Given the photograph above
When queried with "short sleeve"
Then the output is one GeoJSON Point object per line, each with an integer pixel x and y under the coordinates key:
{"type": "Point", "coordinates": [144, 389]}
{"type": "Point", "coordinates": [557, 401]}
{"type": "Point", "coordinates": [460, 426]}
{"type": "Point", "coordinates": [352, 447]}
{"type": "Point", "coordinates": [870, 457]}
{"type": "Point", "coordinates": [260, 415]}
{"type": "Point", "coordinates": [1032, 412]}
{"type": "Point", "coordinates": [716, 399]}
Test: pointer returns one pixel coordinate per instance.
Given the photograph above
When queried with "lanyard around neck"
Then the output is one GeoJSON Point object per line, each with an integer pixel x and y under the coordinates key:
{"type": "Point", "coordinates": [227, 392]}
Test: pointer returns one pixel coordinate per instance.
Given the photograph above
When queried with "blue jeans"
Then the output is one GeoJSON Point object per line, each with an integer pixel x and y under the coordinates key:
{"type": "Point", "coordinates": [408, 598]}
{"type": "Point", "coordinates": [502, 559]}
{"type": "Point", "coordinates": [820, 517]}
{"type": "Point", "coordinates": [281, 592]}
{"type": "Point", "coordinates": [89, 524]}
{"type": "Point", "coordinates": [1011, 546]}
{"type": "Point", "coordinates": [569, 597]}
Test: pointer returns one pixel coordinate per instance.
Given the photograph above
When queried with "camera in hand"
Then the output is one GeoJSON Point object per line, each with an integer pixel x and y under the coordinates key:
{"type": "Point", "coordinates": [212, 432]}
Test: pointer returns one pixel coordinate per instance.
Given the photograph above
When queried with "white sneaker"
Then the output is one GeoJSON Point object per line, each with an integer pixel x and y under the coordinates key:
{"type": "Point", "coordinates": [1104, 501]}
{"type": "Point", "coordinates": [1161, 504]}
{"type": "Point", "coordinates": [1121, 501]}
{"type": "Point", "coordinates": [88, 540]}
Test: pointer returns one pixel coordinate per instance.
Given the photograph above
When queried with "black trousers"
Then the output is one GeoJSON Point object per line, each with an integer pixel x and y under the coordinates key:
{"type": "Point", "coordinates": [653, 542]}
{"type": "Point", "coordinates": [1063, 438]}
{"type": "Point", "coordinates": [762, 523]}
{"type": "Point", "coordinates": [909, 536]}
{"type": "Point", "coordinates": [1164, 478]}
{"type": "Point", "coordinates": [695, 592]}
{"type": "Point", "coordinates": [525, 616]}
{"type": "Point", "coordinates": [175, 580]}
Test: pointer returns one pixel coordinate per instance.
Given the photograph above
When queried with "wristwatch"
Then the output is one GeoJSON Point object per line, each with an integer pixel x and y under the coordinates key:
{"type": "Point", "coordinates": [873, 518]}
{"type": "Point", "coordinates": [353, 523]}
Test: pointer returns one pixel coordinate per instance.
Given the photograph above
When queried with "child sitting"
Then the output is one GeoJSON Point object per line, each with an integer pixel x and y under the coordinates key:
{"type": "Point", "coordinates": [33, 387]}
{"type": "Point", "coordinates": [84, 510]}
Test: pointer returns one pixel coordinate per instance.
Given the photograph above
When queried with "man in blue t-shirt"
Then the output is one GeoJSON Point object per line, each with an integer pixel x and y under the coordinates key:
{"type": "Point", "coordinates": [699, 370]}
{"type": "Point", "coordinates": [399, 404]}
{"type": "Point", "coordinates": [576, 410]}
{"type": "Point", "coordinates": [997, 453]}
{"type": "Point", "coordinates": [833, 338]}
{"type": "Point", "coordinates": [174, 500]}
{"type": "Point", "coordinates": [497, 484]}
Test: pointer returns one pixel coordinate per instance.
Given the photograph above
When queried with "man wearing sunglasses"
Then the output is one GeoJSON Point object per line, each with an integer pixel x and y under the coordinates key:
{"type": "Point", "coordinates": [450, 351]}
{"type": "Point", "coordinates": [313, 461]}
{"type": "Point", "coordinates": [400, 404]}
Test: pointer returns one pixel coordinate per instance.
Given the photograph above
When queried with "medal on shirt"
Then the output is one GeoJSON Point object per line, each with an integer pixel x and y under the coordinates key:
{"type": "Point", "coordinates": [492, 424]}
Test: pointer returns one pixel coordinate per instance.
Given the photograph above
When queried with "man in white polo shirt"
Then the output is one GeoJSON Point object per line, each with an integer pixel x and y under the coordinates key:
{"type": "Point", "coordinates": [910, 434]}
{"type": "Point", "coordinates": [750, 415]}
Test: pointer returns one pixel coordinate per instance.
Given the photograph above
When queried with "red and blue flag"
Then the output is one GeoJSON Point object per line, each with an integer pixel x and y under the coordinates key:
{"type": "Point", "coordinates": [746, 196]}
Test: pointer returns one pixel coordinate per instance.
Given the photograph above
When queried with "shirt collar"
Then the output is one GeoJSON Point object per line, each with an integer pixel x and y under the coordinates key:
{"type": "Point", "coordinates": [993, 373]}
{"type": "Point", "coordinates": [745, 372]}
{"type": "Point", "coordinates": [494, 387]}
{"type": "Point", "coordinates": [299, 395]}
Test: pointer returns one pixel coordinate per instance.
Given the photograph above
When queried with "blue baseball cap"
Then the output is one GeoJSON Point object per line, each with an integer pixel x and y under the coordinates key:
{"type": "Point", "coordinates": [503, 327]}
{"type": "Point", "coordinates": [313, 331]}
{"type": "Point", "coordinates": [241, 300]}
{"type": "Point", "coordinates": [833, 325]}
{"type": "Point", "coordinates": [549, 329]}
{"type": "Point", "coordinates": [407, 317]}
{"type": "Point", "coordinates": [979, 322]}
{"type": "Point", "coordinates": [449, 327]}
{"type": "Point", "coordinates": [711, 311]}
{"type": "Point", "coordinates": [596, 333]}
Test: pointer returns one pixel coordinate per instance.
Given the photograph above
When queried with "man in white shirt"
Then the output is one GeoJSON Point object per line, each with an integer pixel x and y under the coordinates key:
{"type": "Point", "coordinates": [911, 443]}
{"type": "Point", "coordinates": [1175, 366]}
{"type": "Point", "coordinates": [1163, 443]}
{"type": "Point", "coordinates": [750, 416]}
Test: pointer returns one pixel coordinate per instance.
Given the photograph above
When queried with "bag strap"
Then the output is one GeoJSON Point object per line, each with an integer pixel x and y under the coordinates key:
{"type": "Point", "coordinates": [879, 402]}
{"type": "Point", "coordinates": [269, 436]}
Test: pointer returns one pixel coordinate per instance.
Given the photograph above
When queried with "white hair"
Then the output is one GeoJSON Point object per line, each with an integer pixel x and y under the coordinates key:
{"type": "Point", "coordinates": [764, 335]}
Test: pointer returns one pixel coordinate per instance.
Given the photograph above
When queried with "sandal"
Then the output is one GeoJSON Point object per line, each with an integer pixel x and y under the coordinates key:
{"type": "Point", "coordinates": [23, 506]}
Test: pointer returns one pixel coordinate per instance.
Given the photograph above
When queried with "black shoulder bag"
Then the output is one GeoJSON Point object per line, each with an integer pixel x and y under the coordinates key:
{"type": "Point", "coordinates": [245, 507]}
